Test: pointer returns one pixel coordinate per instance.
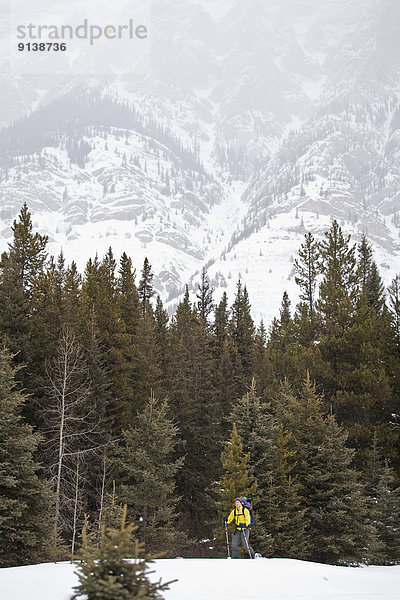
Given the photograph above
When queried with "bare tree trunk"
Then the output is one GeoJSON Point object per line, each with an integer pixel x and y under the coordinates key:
{"type": "Point", "coordinates": [60, 446]}
{"type": "Point", "coordinates": [75, 507]}
{"type": "Point", "coordinates": [103, 486]}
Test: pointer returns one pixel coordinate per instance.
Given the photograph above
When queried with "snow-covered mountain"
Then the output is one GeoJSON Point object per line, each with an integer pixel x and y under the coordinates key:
{"type": "Point", "coordinates": [256, 122]}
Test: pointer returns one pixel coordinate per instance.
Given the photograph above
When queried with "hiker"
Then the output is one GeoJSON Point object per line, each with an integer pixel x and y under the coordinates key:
{"type": "Point", "coordinates": [241, 517]}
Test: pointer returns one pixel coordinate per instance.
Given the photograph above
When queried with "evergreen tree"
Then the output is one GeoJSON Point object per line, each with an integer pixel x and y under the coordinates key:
{"type": "Point", "coordinates": [242, 330]}
{"type": "Point", "coordinates": [285, 316]}
{"type": "Point", "coordinates": [227, 362]}
{"type": "Point", "coordinates": [146, 358]}
{"type": "Point", "coordinates": [364, 262]}
{"type": "Point", "coordinates": [25, 500]}
{"type": "Point", "coordinates": [146, 471]}
{"type": "Point", "coordinates": [257, 430]}
{"type": "Point", "coordinates": [305, 330]}
{"type": "Point", "coordinates": [338, 289]}
{"type": "Point", "coordinates": [371, 285]}
{"type": "Point", "coordinates": [384, 500]}
{"type": "Point", "coordinates": [72, 296]}
{"type": "Point", "coordinates": [281, 509]}
{"type": "Point", "coordinates": [335, 503]}
{"type": "Point", "coordinates": [221, 324]}
{"type": "Point", "coordinates": [101, 300]}
{"type": "Point", "coordinates": [101, 400]}
{"type": "Point", "coordinates": [106, 573]}
{"type": "Point", "coordinates": [282, 347]}
{"type": "Point", "coordinates": [364, 399]}
{"type": "Point", "coordinates": [336, 305]}
{"type": "Point", "coordinates": [307, 270]}
{"type": "Point", "coordinates": [20, 269]}
{"type": "Point", "coordinates": [204, 300]}
{"type": "Point", "coordinates": [387, 515]}
{"type": "Point", "coordinates": [128, 296]}
{"type": "Point", "coordinates": [91, 281]}
{"type": "Point", "coordinates": [237, 479]}
{"type": "Point", "coordinates": [192, 400]}
{"type": "Point", "coordinates": [146, 290]}
{"type": "Point", "coordinates": [46, 320]}
{"type": "Point", "coordinates": [263, 370]}
{"type": "Point", "coordinates": [27, 251]}
{"type": "Point", "coordinates": [161, 319]}
{"type": "Point", "coordinates": [228, 381]}
{"type": "Point", "coordinates": [14, 309]}
{"type": "Point", "coordinates": [394, 307]}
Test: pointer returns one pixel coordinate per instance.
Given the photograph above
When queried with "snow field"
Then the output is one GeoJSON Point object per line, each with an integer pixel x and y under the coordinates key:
{"type": "Point", "coordinates": [220, 579]}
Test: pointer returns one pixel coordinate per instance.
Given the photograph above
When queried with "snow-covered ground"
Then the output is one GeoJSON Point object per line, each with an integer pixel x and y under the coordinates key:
{"type": "Point", "coordinates": [213, 579]}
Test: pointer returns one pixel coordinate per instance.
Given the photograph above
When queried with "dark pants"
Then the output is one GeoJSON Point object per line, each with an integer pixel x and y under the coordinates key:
{"type": "Point", "coordinates": [237, 539]}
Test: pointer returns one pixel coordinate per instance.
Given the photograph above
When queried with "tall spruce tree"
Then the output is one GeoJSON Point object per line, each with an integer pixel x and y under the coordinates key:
{"type": "Point", "coordinates": [281, 507]}
{"type": "Point", "coordinates": [161, 319]}
{"type": "Point", "coordinates": [25, 500]}
{"type": "Point", "coordinates": [46, 320]}
{"type": "Point", "coordinates": [285, 316]}
{"type": "Point", "coordinates": [221, 324]}
{"type": "Point", "coordinates": [101, 300]}
{"type": "Point", "coordinates": [387, 515]}
{"type": "Point", "coordinates": [237, 479]}
{"type": "Point", "coordinates": [336, 306]}
{"type": "Point", "coordinates": [335, 503]}
{"type": "Point", "coordinates": [128, 295]}
{"type": "Point", "coordinates": [193, 406]}
{"type": "Point", "coordinates": [146, 290]}
{"type": "Point", "coordinates": [147, 470]}
{"type": "Point", "coordinates": [371, 285]}
{"type": "Point", "coordinates": [364, 399]}
{"type": "Point", "coordinates": [263, 371]}
{"type": "Point", "coordinates": [228, 382]}
{"type": "Point", "coordinates": [354, 369]}
{"type": "Point", "coordinates": [72, 295]}
{"type": "Point", "coordinates": [146, 358]}
{"type": "Point", "coordinates": [307, 270]}
{"type": "Point", "coordinates": [205, 303]}
{"type": "Point", "coordinates": [227, 363]}
{"type": "Point", "coordinates": [394, 307]}
{"type": "Point", "coordinates": [243, 330]}
{"type": "Point", "coordinates": [338, 289]}
{"type": "Point", "coordinates": [20, 270]}
{"type": "Point", "coordinates": [257, 430]}
{"type": "Point", "coordinates": [282, 346]}
{"type": "Point", "coordinates": [14, 308]}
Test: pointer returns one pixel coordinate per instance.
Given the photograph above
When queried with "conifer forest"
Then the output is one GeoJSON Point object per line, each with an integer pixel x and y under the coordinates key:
{"type": "Point", "coordinates": [107, 400]}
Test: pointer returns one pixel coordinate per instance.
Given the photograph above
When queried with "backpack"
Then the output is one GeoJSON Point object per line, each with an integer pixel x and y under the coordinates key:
{"type": "Point", "coordinates": [248, 503]}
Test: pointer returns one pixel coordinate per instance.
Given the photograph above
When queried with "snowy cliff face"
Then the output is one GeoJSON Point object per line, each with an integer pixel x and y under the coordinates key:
{"type": "Point", "coordinates": [257, 122]}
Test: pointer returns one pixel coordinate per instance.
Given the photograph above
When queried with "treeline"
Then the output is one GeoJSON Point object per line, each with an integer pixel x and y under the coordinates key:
{"type": "Point", "coordinates": [105, 400]}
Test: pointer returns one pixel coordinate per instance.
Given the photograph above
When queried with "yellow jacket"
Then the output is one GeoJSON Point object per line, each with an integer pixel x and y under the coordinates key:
{"type": "Point", "coordinates": [240, 516]}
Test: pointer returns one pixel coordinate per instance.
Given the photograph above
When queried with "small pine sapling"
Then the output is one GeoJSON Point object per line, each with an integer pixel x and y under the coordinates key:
{"type": "Point", "coordinates": [118, 568]}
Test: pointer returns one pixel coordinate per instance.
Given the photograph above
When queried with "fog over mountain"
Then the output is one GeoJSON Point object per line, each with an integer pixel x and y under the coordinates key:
{"type": "Point", "coordinates": [258, 120]}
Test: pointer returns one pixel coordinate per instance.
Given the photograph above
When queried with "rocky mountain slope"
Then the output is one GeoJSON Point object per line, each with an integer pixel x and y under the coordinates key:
{"type": "Point", "coordinates": [257, 122]}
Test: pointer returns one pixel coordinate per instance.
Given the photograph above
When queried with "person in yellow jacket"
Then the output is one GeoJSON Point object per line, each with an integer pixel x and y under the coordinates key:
{"type": "Point", "coordinates": [241, 518]}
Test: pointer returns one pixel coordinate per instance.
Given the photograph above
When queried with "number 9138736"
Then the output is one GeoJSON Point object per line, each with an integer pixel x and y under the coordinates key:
{"type": "Point", "coordinates": [42, 47]}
